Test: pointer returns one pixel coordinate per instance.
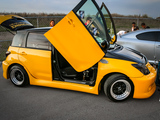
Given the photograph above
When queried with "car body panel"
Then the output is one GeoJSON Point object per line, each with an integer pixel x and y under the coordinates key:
{"type": "Point", "coordinates": [157, 49]}
{"type": "Point", "coordinates": [14, 22]}
{"type": "Point", "coordinates": [38, 62]}
{"type": "Point", "coordinates": [144, 86]}
{"type": "Point", "coordinates": [11, 59]}
{"type": "Point", "coordinates": [76, 44]}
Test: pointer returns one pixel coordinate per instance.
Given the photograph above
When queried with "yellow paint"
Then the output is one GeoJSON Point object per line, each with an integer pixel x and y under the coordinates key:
{"type": "Point", "coordinates": [38, 62]}
{"type": "Point", "coordinates": [144, 85]}
{"type": "Point", "coordinates": [7, 17]}
{"type": "Point", "coordinates": [74, 42]}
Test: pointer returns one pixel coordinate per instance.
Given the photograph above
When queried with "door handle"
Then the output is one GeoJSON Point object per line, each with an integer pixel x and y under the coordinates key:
{"type": "Point", "coordinates": [23, 53]}
{"type": "Point", "coordinates": [70, 21]}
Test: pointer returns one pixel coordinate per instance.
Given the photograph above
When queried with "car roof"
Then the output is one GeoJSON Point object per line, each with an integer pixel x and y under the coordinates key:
{"type": "Point", "coordinates": [41, 29]}
{"type": "Point", "coordinates": [134, 33]}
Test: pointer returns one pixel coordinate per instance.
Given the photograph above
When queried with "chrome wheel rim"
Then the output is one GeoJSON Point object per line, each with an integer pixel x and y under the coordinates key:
{"type": "Point", "coordinates": [17, 76]}
{"type": "Point", "coordinates": [120, 89]}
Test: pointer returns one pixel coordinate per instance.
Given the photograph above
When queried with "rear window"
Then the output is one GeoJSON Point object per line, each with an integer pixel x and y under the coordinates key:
{"type": "Point", "coordinates": [39, 41]}
{"type": "Point", "coordinates": [150, 36]}
{"type": "Point", "coordinates": [17, 40]}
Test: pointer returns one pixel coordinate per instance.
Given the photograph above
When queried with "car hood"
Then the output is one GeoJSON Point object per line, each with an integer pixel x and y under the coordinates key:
{"type": "Point", "coordinates": [126, 53]}
{"type": "Point", "coordinates": [14, 22]}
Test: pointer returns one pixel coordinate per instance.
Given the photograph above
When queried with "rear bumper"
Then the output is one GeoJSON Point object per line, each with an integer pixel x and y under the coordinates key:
{"type": "Point", "coordinates": [145, 86]}
{"type": "Point", "coordinates": [5, 66]}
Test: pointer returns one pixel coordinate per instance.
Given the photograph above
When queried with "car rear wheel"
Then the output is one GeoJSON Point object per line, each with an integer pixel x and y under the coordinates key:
{"type": "Point", "coordinates": [118, 88]}
{"type": "Point", "coordinates": [18, 76]}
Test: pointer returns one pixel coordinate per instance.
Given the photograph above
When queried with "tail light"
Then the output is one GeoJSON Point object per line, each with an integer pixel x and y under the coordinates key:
{"type": "Point", "coordinates": [7, 53]}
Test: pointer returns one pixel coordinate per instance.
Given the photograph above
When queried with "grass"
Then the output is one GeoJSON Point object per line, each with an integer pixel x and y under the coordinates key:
{"type": "Point", "coordinates": [3, 48]}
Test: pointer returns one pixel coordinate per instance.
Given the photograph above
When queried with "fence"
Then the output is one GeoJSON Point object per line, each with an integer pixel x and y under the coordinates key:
{"type": "Point", "coordinates": [121, 23]}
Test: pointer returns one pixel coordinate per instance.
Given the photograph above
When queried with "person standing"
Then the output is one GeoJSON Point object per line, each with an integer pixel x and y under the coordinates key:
{"type": "Point", "coordinates": [134, 27]}
{"type": "Point", "coordinates": [52, 23]}
{"type": "Point", "coordinates": [144, 26]}
{"type": "Point", "coordinates": [88, 20]}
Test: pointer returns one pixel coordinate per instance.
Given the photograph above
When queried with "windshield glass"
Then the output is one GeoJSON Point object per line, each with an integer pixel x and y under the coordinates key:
{"type": "Point", "coordinates": [92, 19]}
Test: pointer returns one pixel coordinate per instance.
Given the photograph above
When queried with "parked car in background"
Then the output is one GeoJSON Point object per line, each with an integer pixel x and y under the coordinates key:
{"type": "Point", "coordinates": [145, 41]}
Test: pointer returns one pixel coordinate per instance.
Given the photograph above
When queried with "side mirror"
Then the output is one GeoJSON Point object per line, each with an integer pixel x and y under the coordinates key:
{"type": "Point", "coordinates": [113, 40]}
{"type": "Point", "coordinates": [105, 45]}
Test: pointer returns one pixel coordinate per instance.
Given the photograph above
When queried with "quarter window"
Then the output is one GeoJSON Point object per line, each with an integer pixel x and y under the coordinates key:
{"type": "Point", "coordinates": [158, 36]}
{"type": "Point", "coordinates": [17, 40]}
{"type": "Point", "coordinates": [39, 41]}
{"type": "Point", "coordinates": [150, 36]}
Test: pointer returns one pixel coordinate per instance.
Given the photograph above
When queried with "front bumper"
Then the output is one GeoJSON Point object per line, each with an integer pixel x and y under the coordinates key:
{"type": "Point", "coordinates": [145, 86]}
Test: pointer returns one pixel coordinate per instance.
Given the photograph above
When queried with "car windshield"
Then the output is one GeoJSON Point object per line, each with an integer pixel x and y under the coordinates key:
{"type": "Point", "coordinates": [92, 19]}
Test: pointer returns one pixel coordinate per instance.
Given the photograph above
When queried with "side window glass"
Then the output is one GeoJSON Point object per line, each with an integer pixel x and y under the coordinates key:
{"type": "Point", "coordinates": [92, 19]}
{"type": "Point", "coordinates": [39, 41]}
{"type": "Point", "coordinates": [158, 36]}
{"type": "Point", "coordinates": [150, 36]}
{"type": "Point", "coordinates": [17, 40]}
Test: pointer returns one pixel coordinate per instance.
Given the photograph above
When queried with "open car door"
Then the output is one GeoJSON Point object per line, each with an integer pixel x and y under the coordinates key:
{"type": "Point", "coordinates": [110, 23]}
{"type": "Point", "coordinates": [78, 36]}
{"type": "Point", "coordinates": [14, 22]}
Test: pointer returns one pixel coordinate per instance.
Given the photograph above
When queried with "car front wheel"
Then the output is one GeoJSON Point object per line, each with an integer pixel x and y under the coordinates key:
{"type": "Point", "coordinates": [118, 88]}
{"type": "Point", "coordinates": [18, 76]}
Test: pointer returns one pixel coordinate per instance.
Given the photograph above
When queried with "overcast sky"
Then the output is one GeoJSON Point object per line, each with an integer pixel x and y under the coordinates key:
{"type": "Point", "coordinates": [124, 7]}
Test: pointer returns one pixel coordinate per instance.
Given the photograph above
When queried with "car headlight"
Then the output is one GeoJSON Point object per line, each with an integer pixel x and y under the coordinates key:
{"type": "Point", "coordinates": [142, 68]}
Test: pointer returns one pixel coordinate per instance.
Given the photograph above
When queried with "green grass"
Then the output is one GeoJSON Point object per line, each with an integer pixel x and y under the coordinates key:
{"type": "Point", "coordinates": [3, 48]}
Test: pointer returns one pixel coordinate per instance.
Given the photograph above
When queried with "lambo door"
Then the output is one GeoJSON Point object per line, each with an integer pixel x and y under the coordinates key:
{"type": "Point", "coordinates": [78, 36]}
{"type": "Point", "coordinates": [110, 23]}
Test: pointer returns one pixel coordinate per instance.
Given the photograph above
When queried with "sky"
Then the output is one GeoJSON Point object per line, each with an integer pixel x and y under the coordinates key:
{"type": "Point", "coordinates": [123, 7]}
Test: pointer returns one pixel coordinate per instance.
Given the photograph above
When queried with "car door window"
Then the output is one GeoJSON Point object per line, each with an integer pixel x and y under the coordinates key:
{"type": "Point", "coordinates": [17, 40]}
{"type": "Point", "coordinates": [93, 20]}
{"type": "Point", "coordinates": [158, 33]}
{"type": "Point", "coordinates": [149, 36]}
{"type": "Point", "coordinates": [39, 41]}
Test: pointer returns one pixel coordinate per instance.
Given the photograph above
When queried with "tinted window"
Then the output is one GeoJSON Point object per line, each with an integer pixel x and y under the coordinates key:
{"type": "Point", "coordinates": [38, 40]}
{"type": "Point", "coordinates": [150, 36]}
{"type": "Point", "coordinates": [158, 36]}
{"type": "Point", "coordinates": [17, 40]}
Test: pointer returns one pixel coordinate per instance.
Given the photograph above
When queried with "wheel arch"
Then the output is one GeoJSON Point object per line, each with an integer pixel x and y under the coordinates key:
{"type": "Point", "coordinates": [14, 65]}
{"type": "Point", "coordinates": [110, 74]}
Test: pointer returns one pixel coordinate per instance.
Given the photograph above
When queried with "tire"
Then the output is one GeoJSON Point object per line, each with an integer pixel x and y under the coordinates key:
{"type": "Point", "coordinates": [18, 76]}
{"type": "Point", "coordinates": [118, 88]}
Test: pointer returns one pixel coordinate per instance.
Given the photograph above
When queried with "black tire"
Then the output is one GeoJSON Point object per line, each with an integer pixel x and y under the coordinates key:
{"type": "Point", "coordinates": [118, 88]}
{"type": "Point", "coordinates": [18, 76]}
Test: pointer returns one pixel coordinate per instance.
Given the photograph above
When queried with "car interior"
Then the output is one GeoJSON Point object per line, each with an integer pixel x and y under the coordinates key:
{"type": "Point", "coordinates": [67, 72]}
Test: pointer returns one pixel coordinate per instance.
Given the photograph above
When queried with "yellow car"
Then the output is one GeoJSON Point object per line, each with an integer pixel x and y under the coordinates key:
{"type": "Point", "coordinates": [76, 55]}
